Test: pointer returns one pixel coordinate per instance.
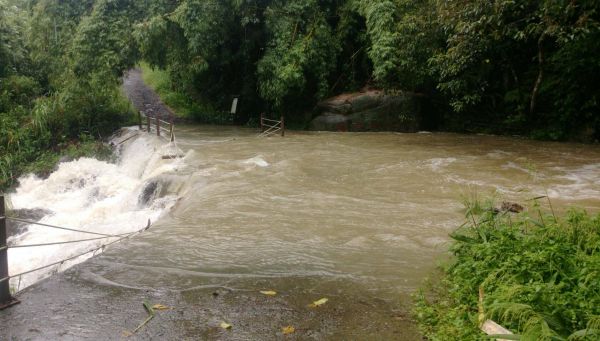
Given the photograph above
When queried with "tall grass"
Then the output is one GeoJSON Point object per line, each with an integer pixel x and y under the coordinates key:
{"type": "Point", "coordinates": [540, 274]}
{"type": "Point", "coordinates": [36, 128]}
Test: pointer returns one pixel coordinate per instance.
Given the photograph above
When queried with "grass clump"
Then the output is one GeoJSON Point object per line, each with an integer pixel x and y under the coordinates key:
{"type": "Point", "coordinates": [540, 275]}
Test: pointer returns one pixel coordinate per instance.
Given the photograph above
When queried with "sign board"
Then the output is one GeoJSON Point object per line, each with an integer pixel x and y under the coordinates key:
{"type": "Point", "coordinates": [234, 106]}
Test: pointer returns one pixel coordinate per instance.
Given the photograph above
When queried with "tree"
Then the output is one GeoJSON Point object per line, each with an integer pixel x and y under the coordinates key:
{"type": "Point", "coordinates": [13, 48]}
{"type": "Point", "coordinates": [504, 61]}
{"type": "Point", "coordinates": [300, 54]}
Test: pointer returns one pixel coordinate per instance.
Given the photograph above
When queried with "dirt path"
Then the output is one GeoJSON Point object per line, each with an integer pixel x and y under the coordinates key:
{"type": "Point", "coordinates": [144, 98]}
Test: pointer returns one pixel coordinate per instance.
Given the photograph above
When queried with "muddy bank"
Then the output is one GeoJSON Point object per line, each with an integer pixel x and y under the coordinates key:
{"type": "Point", "coordinates": [83, 303]}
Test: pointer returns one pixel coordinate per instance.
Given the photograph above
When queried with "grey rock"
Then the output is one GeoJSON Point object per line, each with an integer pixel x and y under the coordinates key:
{"type": "Point", "coordinates": [369, 110]}
{"type": "Point", "coordinates": [330, 121]}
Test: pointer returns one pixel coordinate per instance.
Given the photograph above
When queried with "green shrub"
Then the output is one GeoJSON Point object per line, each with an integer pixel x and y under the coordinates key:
{"type": "Point", "coordinates": [36, 131]}
{"type": "Point", "coordinates": [17, 90]}
{"type": "Point", "coordinates": [540, 275]}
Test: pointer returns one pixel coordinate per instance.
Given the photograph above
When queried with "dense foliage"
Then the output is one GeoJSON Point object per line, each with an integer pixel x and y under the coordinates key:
{"type": "Point", "coordinates": [528, 67]}
{"type": "Point", "coordinates": [500, 66]}
{"type": "Point", "coordinates": [539, 275]}
{"type": "Point", "coordinates": [58, 80]}
{"type": "Point", "coordinates": [524, 63]}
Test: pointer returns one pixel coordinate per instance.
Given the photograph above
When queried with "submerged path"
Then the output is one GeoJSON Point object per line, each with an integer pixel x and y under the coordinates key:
{"type": "Point", "coordinates": [81, 304]}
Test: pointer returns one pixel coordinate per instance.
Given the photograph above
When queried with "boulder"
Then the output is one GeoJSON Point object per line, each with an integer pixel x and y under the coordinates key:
{"type": "Point", "coordinates": [330, 121]}
{"type": "Point", "coordinates": [369, 110]}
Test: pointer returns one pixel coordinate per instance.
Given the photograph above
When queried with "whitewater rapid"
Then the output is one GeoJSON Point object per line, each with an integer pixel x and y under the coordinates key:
{"type": "Point", "coordinates": [92, 195]}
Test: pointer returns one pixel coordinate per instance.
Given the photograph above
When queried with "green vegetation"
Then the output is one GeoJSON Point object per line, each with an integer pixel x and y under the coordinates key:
{"type": "Point", "coordinates": [86, 146]}
{"type": "Point", "coordinates": [58, 86]}
{"type": "Point", "coordinates": [539, 274]}
{"type": "Point", "coordinates": [526, 67]}
{"type": "Point", "coordinates": [182, 104]}
{"type": "Point", "coordinates": [160, 81]}
{"type": "Point", "coordinates": [529, 67]}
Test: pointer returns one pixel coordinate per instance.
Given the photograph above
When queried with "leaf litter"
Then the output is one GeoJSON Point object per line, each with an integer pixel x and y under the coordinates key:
{"type": "Point", "coordinates": [318, 303]}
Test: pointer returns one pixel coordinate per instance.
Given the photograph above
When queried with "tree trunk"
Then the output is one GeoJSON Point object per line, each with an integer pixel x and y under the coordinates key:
{"type": "Point", "coordinates": [540, 77]}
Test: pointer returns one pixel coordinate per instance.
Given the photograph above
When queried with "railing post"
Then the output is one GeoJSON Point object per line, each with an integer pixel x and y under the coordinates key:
{"type": "Point", "coordinates": [261, 123]}
{"type": "Point", "coordinates": [282, 126]}
{"type": "Point", "coordinates": [5, 298]}
{"type": "Point", "coordinates": [148, 121]}
{"type": "Point", "coordinates": [157, 126]}
{"type": "Point", "coordinates": [140, 119]}
{"type": "Point", "coordinates": [171, 130]}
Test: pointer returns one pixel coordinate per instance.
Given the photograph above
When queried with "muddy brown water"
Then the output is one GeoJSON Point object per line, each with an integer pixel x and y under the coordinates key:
{"type": "Point", "coordinates": [359, 218]}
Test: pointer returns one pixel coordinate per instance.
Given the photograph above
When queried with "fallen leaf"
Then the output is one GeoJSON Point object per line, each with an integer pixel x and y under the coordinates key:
{"type": "Point", "coordinates": [148, 308]}
{"type": "Point", "coordinates": [127, 333]}
{"type": "Point", "coordinates": [288, 330]}
{"type": "Point", "coordinates": [269, 292]}
{"type": "Point", "coordinates": [150, 312]}
{"type": "Point", "coordinates": [225, 325]}
{"type": "Point", "coordinates": [318, 303]}
{"type": "Point", "coordinates": [160, 307]}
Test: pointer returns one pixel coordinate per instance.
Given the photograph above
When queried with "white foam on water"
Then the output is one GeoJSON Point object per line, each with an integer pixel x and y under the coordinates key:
{"type": "Point", "coordinates": [498, 154]}
{"type": "Point", "coordinates": [513, 165]}
{"type": "Point", "coordinates": [455, 178]}
{"type": "Point", "coordinates": [582, 183]}
{"type": "Point", "coordinates": [257, 161]}
{"type": "Point", "coordinates": [438, 163]}
{"type": "Point", "coordinates": [90, 195]}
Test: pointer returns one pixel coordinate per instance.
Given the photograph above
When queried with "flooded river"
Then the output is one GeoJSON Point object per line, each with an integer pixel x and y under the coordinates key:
{"type": "Point", "coordinates": [358, 218]}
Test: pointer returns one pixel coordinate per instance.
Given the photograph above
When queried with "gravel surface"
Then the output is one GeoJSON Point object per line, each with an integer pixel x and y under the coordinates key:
{"type": "Point", "coordinates": [144, 98]}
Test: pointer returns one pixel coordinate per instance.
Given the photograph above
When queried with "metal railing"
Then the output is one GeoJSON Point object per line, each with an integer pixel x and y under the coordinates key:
{"type": "Point", "coordinates": [270, 127]}
{"type": "Point", "coordinates": [6, 298]}
{"type": "Point", "coordinates": [161, 127]}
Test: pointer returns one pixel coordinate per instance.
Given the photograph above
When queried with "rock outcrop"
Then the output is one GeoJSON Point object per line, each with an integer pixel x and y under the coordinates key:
{"type": "Point", "coordinates": [370, 110]}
